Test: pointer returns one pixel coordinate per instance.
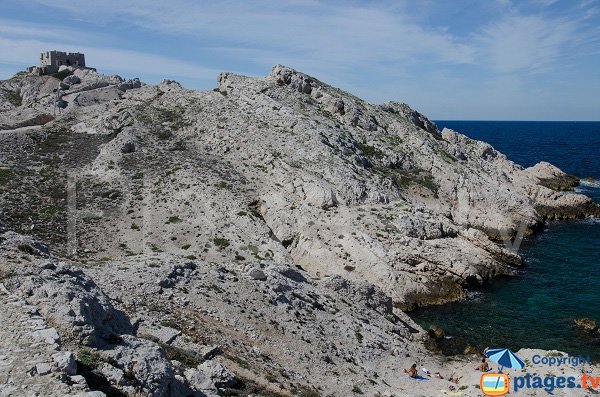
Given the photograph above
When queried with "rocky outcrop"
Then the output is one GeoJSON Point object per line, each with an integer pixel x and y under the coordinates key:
{"type": "Point", "coordinates": [552, 177]}
{"type": "Point", "coordinates": [586, 324]}
{"type": "Point", "coordinates": [403, 110]}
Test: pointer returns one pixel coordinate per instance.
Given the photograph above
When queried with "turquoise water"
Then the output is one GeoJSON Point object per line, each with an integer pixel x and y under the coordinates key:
{"type": "Point", "coordinates": [561, 277]}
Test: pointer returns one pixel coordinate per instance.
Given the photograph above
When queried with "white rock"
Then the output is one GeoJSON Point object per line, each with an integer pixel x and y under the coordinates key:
{"type": "Point", "coordinates": [42, 368]}
{"type": "Point", "coordinates": [65, 361]}
{"type": "Point", "coordinates": [48, 335]}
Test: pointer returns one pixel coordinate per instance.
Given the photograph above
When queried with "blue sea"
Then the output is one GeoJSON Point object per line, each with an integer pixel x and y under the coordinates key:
{"type": "Point", "coordinates": [561, 277]}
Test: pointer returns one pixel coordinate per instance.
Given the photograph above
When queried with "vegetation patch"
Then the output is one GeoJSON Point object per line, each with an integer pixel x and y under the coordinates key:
{"type": "Point", "coordinates": [88, 358]}
{"type": "Point", "coordinates": [359, 336]}
{"type": "Point", "coordinates": [14, 97]}
{"type": "Point", "coordinates": [63, 74]}
{"type": "Point", "coordinates": [173, 220]}
{"type": "Point", "coordinates": [370, 151]}
{"type": "Point", "coordinates": [5, 175]}
{"type": "Point", "coordinates": [221, 242]}
{"type": "Point", "coordinates": [405, 179]}
{"type": "Point", "coordinates": [50, 212]}
{"type": "Point", "coordinates": [224, 185]}
{"type": "Point", "coordinates": [169, 324]}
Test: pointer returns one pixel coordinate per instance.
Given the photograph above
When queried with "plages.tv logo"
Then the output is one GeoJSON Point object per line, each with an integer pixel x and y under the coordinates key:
{"type": "Point", "coordinates": [494, 384]}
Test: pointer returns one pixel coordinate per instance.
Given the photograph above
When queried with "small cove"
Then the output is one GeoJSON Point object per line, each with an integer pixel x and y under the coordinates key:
{"type": "Point", "coordinates": [561, 277]}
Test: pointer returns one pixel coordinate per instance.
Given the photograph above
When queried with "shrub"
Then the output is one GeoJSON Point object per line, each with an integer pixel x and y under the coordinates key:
{"type": "Point", "coordinates": [14, 97]}
{"type": "Point", "coordinates": [88, 358]}
{"type": "Point", "coordinates": [169, 324]}
{"type": "Point", "coordinates": [370, 151]}
{"type": "Point", "coordinates": [63, 74]}
{"type": "Point", "coordinates": [5, 175]}
{"type": "Point", "coordinates": [50, 212]}
{"type": "Point", "coordinates": [221, 242]}
{"type": "Point", "coordinates": [359, 336]}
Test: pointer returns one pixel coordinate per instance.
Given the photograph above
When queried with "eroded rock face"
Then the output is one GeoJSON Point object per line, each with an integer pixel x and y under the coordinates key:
{"type": "Point", "coordinates": [75, 304]}
{"type": "Point", "coordinates": [275, 215]}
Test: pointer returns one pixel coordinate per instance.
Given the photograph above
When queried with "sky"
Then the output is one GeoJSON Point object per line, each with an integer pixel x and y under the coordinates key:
{"type": "Point", "coordinates": [448, 59]}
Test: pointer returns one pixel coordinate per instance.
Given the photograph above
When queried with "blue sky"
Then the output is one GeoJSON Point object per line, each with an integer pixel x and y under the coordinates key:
{"type": "Point", "coordinates": [450, 59]}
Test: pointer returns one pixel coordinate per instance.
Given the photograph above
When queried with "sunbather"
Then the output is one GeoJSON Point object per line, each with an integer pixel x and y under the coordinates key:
{"type": "Point", "coordinates": [412, 371]}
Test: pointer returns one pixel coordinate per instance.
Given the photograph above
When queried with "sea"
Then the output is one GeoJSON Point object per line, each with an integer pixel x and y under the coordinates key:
{"type": "Point", "coordinates": [560, 281]}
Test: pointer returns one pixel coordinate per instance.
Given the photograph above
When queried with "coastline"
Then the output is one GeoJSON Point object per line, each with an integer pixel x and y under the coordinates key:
{"type": "Point", "coordinates": [589, 186]}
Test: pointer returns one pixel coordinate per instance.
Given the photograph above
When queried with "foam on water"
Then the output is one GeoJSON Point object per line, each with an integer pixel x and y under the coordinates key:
{"type": "Point", "coordinates": [592, 184]}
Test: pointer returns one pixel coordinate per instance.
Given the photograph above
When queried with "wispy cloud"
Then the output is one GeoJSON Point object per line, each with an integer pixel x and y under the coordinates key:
{"type": "Point", "coordinates": [319, 30]}
{"type": "Point", "coordinates": [520, 43]}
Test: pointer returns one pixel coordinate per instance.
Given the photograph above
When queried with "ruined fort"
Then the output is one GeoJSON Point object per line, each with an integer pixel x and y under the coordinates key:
{"type": "Point", "coordinates": [51, 61]}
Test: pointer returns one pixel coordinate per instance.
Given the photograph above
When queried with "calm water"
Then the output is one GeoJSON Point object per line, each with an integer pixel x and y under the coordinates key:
{"type": "Point", "coordinates": [561, 278]}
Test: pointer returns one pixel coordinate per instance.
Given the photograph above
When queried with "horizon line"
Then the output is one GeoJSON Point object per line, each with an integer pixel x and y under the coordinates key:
{"type": "Point", "coordinates": [531, 120]}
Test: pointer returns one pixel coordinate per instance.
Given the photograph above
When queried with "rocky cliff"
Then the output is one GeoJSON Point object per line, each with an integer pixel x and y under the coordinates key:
{"type": "Point", "coordinates": [276, 225]}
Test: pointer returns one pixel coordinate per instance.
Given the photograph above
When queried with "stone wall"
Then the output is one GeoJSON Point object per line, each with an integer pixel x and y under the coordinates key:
{"type": "Point", "coordinates": [58, 58]}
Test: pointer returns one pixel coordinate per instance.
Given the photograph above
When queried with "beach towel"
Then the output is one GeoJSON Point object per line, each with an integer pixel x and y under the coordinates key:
{"type": "Point", "coordinates": [419, 378]}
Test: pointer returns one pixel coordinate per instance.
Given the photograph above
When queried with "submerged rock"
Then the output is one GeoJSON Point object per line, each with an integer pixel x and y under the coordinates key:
{"type": "Point", "coordinates": [586, 324]}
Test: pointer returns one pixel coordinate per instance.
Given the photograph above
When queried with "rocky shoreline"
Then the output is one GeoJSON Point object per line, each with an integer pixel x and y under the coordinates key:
{"type": "Point", "coordinates": [265, 236]}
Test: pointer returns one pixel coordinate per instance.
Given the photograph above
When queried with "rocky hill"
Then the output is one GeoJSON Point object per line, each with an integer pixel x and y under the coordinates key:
{"type": "Point", "coordinates": [263, 237]}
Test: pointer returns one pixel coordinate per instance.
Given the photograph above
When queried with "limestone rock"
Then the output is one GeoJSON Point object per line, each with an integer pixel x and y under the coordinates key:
{"type": "Point", "coordinates": [209, 375]}
{"type": "Point", "coordinates": [42, 369]}
{"type": "Point", "coordinates": [71, 80]}
{"type": "Point", "coordinates": [65, 362]}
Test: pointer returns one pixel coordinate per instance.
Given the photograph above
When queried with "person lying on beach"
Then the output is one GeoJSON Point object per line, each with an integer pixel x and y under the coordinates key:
{"type": "Point", "coordinates": [483, 366]}
{"type": "Point", "coordinates": [412, 371]}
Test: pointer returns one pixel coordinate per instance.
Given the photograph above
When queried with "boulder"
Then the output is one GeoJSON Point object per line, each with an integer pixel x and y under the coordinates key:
{"type": "Point", "coordinates": [76, 306]}
{"type": "Point", "coordinates": [71, 80]}
{"type": "Point", "coordinates": [257, 274]}
{"type": "Point", "coordinates": [65, 362]}
{"type": "Point", "coordinates": [210, 375]}
{"type": "Point", "coordinates": [319, 195]}
{"type": "Point", "coordinates": [130, 84]}
{"type": "Point", "coordinates": [42, 368]}
{"type": "Point", "coordinates": [436, 331]}
{"type": "Point", "coordinates": [143, 364]}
